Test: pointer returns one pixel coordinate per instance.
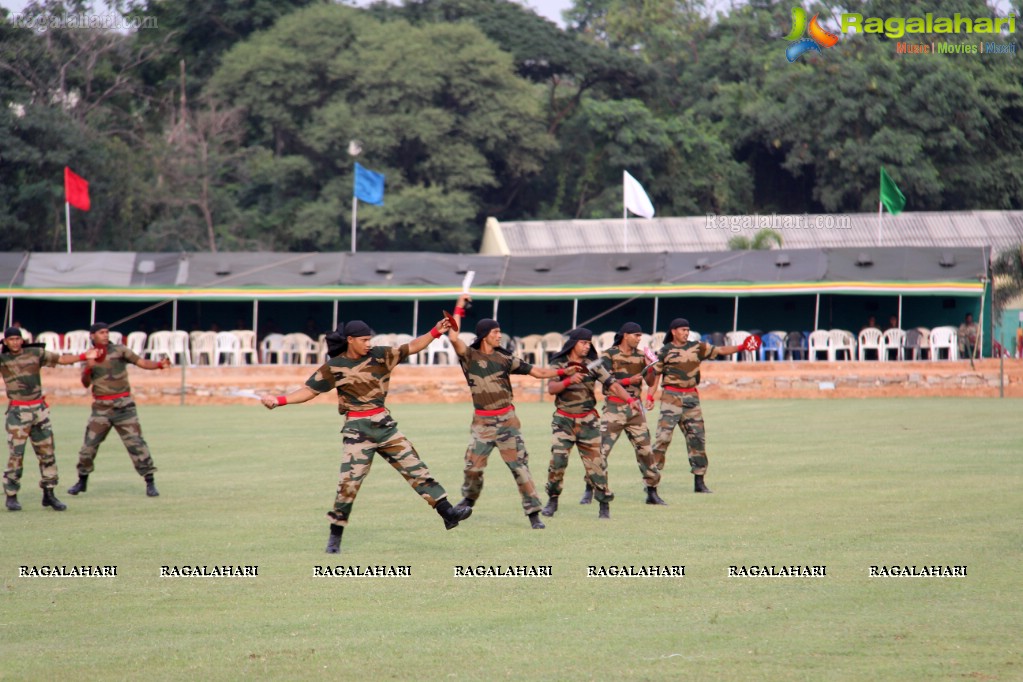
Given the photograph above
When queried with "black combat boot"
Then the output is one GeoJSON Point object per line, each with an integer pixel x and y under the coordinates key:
{"type": "Point", "coordinates": [466, 502]}
{"type": "Point", "coordinates": [12, 503]}
{"type": "Point", "coordinates": [50, 500]}
{"type": "Point", "coordinates": [535, 522]}
{"type": "Point", "coordinates": [587, 495]}
{"type": "Point", "coordinates": [452, 515]}
{"type": "Point", "coordinates": [552, 506]}
{"type": "Point", "coordinates": [83, 481]}
{"type": "Point", "coordinates": [334, 541]}
{"type": "Point", "coordinates": [605, 511]}
{"type": "Point", "coordinates": [151, 490]}
{"type": "Point", "coordinates": [652, 497]}
{"type": "Point", "coordinates": [699, 486]}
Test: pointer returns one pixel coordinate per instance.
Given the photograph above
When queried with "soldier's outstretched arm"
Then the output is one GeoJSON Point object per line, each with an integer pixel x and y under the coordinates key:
{"type": "Point", "coordinates": [302, 395]}
{"type": "Point", "coordinates": [67, 359]}
{"type": "Point", "coordinates": [420, 343]}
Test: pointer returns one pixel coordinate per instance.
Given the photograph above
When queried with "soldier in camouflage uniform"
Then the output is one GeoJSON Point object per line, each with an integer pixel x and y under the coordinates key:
{"type": "Point", "coordinates": [28, 416]}
{"type": "Point", "coordinates": [626, 364]}
{"type": "Point", "coordinates": [488, 368]}
{"type": "Point", "coordinates": [113, 407]}
{"type": "Point", "coordinates": [361, 376]}
{"type": "Point", "coordinates": [679, 363]}
{"type": "Point", "coordinates": [576, 421]}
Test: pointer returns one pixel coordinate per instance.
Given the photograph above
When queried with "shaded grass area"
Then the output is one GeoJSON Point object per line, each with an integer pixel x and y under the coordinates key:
{"type": "Point", "coordinates": [846, 484]}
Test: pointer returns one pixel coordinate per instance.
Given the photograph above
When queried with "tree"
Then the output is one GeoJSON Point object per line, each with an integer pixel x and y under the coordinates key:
{"type": "Point", "coordinates": [438, 110]}
{"type": "Point", "coordinates": [761, 241]}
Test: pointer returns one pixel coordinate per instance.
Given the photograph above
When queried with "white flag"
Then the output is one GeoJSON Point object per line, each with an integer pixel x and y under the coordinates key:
{"type": "Point", "coordinates": [636, 199]}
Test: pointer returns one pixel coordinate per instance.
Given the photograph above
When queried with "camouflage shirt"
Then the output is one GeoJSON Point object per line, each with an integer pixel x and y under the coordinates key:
{"type": "Point", "coordinates": [489, 377]}
{"type": "Point", "coordinates": [361, 384]}
{"type": "Point", "coordinates": [21, 372]}
{"type": "Point", "coordinates": [580, 398]}
{"type": "Point", "coordinates": [622, 366]}
{"type": "Point", "coordinates": [680, 365]}
{"type": "Point", "coordinates": [111, 376]}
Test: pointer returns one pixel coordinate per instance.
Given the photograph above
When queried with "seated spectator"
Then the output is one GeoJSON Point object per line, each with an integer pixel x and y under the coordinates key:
{"type": "Point", "coordinates": [893, 322]}
{"type": "Point", "coordinates": [871, 323]}
{"type": "Point", "coordinates": [968, 332]}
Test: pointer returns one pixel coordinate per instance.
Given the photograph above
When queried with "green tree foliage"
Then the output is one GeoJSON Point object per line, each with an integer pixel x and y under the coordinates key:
{"type": "Point", "coordinates": [761, 241]}
{"type": "Point", "coordinates": [438, 110]}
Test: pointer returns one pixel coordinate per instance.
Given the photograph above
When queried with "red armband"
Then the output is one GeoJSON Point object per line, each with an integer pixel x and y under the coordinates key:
{"type": "Point", "coordinates": [566, 383]}
{"type": "Point", "coordinates": [281, 400]}
{"type": "Point", "coordinates": [435, 333]}
{"type": "Point", "coordinates": [459, 311]}
{"type": "Point", "coordinates": [561, 373]}
{"type": "Point", "coordinates": [626, 381]}
{"type": "Point", "coordinates": [82, 356]}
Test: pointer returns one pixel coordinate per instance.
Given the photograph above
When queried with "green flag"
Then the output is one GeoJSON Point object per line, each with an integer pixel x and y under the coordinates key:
{"type": "Point", "coordinates": [891, 197]}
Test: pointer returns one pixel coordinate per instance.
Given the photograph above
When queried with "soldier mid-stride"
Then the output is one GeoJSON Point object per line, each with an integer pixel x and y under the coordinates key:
{"type": "Point", "coordinates": [626, 364]}
{"type": "Point", "coordinates": [678, 362]}
{"type": "Point", "coordinates": [113, 407]}
{"type": "Point", "coordinates": [28, 416]}
{"type": "Point", "coordinates": [361, 375]}
{"type": "Point", "coordinates": [576, 422]}
{"type": "Point", "coordinates": [488, 368]}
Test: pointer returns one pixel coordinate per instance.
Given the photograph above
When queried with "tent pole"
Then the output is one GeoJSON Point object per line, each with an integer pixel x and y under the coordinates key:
{"type": "Point", "coordinates": [415, 318]}
{"type": "Point", "coordinates": [174, 314]}
{"type": "Point", "coordinates": [92, 312]}
{"type": "Point", "coordinates": [255, 327]}
{"type": "Point", "coordinates": [334, 325]}
{"type": "Point", "coordinates": [735, 316]}
{"type": "Point", "coordinates": [575, 312]}
{"type": "Point", "coordinates": [900, 311]}
{"type": "Point", "coordinates": [817, 313]}
{"type": "Point", "coordinates": [653, 329]}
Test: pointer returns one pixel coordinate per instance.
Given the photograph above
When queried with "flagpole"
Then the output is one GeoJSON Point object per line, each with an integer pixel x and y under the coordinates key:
{"type": "Point", "coordinates": [625, 229]}
{"type": "Point", "coordinates": [879, 207]}
{"type": "Point", "coordinates": [67, 215]}
{"type": "Point", "coordinates": [355, 205]}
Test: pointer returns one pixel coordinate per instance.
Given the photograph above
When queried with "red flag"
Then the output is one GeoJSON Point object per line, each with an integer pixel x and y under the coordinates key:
{"type": "Point", "coordinates": [76, 189]}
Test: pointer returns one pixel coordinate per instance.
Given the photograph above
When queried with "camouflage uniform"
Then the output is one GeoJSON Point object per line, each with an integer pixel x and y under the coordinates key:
{"type": "Point", "coordinates": [362, 386]}
{"type": "Point", "coordinates": [28, 421]}
{"type": "Point", "coordinates": [680, 402]}
{"type": "Point", "coordinates": [576, 422]}
{"type": "Point", "coordinates": [619, 416]}
{"type": "Point", "coordinates": [489, 381]}
{"type": "Point", "coordinates": [114, 407]}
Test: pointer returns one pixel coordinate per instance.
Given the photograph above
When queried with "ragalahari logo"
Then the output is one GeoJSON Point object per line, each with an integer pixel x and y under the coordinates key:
{"type": "Point", "coordinates": [818, 36]}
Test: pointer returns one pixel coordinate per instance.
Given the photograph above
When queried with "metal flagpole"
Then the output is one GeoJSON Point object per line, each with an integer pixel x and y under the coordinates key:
{"type": "Point", "coordinates": [355, 206]}
{"type": "Point", "coordinates": [879, 207]}
{"type": "Point", "coordinates": [67, 215]}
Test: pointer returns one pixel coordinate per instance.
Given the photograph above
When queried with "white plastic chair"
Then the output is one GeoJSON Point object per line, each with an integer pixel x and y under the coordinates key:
{"type": "Point", "coordinates": [273, 344]}
{"type": "Point", "coordinates": [694, 336]}
{"type": "Point", "coordinates": [656, 341]}
{"type": "Point", "coordinates": [551, 343]}
{"type": "Point", "coordinates": [819, 343]}
{"type": "Point", "coordinates": [441, 349]}
{"type": "Point", "coordinates": [603, 341]}
{"type": "Point", "coordinates": [737, 338]}
{"type": "Point", "coordinates": [136, 342]}
{"type": "Point", "coordinates": [382, 340]}
{"type": "Point", "coordinates": [841, 341]}
{"type": "Point", "coordinates": [399, 339]}
{"type": "Point", "coordinates": [204, 347]}
{"type": "Point", "coordinates": [299, 349]}
{"type": "Point", "coordinates": [179, 348]}
{"type": "Point", "coordinates": [531, 349]}
{"type": "Point", "coordinates": [76, 342]}
{"type": "Point", "coordinates": [117, 337]}
{"type": "Point", "coordinates": [50, 341]}
{"type": "Point", "coordinates": [871, 339]}
{"type": "Point", "coordinates": [247, 339]}
{"type": "Point", "coordinates": [947, 339]}
{"type": "Point", "coordinates": [893, 340]}
{"type": "Point", "coordinates": [228, 346]}
{"type": "Point", "coordinates": [466, 337]}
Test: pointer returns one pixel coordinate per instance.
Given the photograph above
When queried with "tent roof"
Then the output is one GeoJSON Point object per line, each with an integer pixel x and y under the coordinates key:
{"type": "Point", "coordinates": [951, 229]}
{"type": "Point", "coordinates": [387, 275]}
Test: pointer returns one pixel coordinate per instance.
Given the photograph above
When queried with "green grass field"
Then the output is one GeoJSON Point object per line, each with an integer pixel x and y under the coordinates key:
{"type": "Point", "coordinates": [846, 484]}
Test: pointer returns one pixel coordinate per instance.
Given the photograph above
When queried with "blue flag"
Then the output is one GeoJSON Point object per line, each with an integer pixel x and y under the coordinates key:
{"type": "Point", "coordinates": [369, 186]}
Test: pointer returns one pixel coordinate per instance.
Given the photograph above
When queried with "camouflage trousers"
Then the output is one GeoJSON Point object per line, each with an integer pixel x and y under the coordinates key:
{"type": "Point", "coordinates": [620, 417]}
{"type": "Point", "coordinates": [502, 432]}
{"type": "Point", "coordinates": [682, 410]}
{"type": "Point", "coordinates": [24, 423]}
{"type": "Point", "coordinates": [121, 415]}
{"type": "Point", "coordinates": [363, 437]}
{"type": "Point", "coordinates": [584, 434]}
